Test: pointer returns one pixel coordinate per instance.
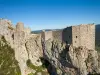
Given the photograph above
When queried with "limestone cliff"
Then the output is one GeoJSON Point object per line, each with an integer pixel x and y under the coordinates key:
{"type": "Point", "coordinates": [25, 45]}
{"type": "Point", "coordinates": [71, 60]}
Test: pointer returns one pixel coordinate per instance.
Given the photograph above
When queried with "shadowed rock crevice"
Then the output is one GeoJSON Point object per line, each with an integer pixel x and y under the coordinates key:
{"type": "Point", "coordinates": [51, 69]}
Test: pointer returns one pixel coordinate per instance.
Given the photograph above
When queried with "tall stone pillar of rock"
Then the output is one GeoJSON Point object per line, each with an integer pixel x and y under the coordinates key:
{"type": "Point", "coordinates": [20, 49]}
{"type": "Point", "coordinates": [20, 26]}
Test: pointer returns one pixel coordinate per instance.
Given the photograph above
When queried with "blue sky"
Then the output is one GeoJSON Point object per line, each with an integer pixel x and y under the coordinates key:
{"type": "Point", "coordinates": [50, 14]}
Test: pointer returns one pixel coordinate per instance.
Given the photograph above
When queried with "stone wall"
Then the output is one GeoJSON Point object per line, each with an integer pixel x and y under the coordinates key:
{"type": "Point", "coordinates": [84, 35]}
{"type": "Point", "coordinates": [81, 35]}
{"type": "Point", "coordinates": [67, 35]}
{"type": "Point", "coordinates": [46, 35]}
{"type": "Point", "coordinates": [57, 34]}
{"type": "Point", "coordinates": [76, 41]}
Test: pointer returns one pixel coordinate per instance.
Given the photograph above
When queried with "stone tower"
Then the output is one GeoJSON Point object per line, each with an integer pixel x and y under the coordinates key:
{"type": "Point", "coordinates": [81, 35]}
{"type": "Point", "coordinates": [46, 35]}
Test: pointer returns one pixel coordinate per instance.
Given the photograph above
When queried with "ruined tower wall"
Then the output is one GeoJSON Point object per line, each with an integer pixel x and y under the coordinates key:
{"type": "Point", "coordinates": [89, 36]}
{"type": "Point", "coordinates": [84, 35]}
{"type": "Point", "coordinates": [46, 35]}
{"type": "Point", "coordinates": [76, 41]}
{"type": "Point", "coordinates": [57, 35]}
{"type": "Point", "coordinates": [67, 35]}
{"type": "Point", "coordinates": [81, 35]}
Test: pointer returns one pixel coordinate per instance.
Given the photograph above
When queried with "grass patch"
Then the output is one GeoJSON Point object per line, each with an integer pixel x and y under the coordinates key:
{"type": "Point", "coordinates": [36, 68]}
{"type": "Point", "coordinates": [8, 63]}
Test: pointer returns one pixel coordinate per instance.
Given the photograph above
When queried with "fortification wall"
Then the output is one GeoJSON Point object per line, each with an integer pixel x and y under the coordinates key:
{"type": "Point", "coordinates": [46, 35]}
{"type": "Point", "coordinates": [84, 35]}
{"type": "Point", "coordinates": [76, 41]}
{"type": "Point", "coordinates": [67, 35]}
{"type": "Point", "coordinates": [81, 35]}
{"type": "Point", "coordinates": [57, 34]}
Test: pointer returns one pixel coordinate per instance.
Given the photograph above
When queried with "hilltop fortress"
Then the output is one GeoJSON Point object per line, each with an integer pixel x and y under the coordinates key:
{"type": "Point", "coordinates": [81, 35]}
{"type": "Point", "coordinates": [79, 58]}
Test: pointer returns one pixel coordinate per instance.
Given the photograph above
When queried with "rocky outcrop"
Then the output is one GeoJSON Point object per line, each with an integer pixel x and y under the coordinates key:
{"type": "Point", "coordinates": [85, 60]}
{"type": "Point", "coordinates": [34, 49]}
{"type": "Point", "coordinates": [57, 54]}
{"type": "Point", "coordinates": [71, 60]}
{"type": "Point", "coordinates": [25, 45]}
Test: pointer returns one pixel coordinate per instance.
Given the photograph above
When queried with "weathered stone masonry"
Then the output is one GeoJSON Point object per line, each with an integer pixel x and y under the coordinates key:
{"type": "Point", "coordinates": [81, 35]}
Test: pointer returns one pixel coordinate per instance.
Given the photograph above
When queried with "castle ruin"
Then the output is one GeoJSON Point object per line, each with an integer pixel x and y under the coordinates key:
{"type": "Point", "coordinates": [31, 46]}
{"type": "Point", "coordinates": [81, 35]}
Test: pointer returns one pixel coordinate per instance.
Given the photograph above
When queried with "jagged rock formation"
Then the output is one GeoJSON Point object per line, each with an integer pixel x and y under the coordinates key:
{"type": "Point", "coordinates": [84, 60]}
{"type": "Point", "coordinates": [19, 39]}
{"type": "Point", "coordinates": [34, 49]}
{"type": "Point", "coordinates": [71, 60]}
{"type": "Point", "coordinates": [63, 58]}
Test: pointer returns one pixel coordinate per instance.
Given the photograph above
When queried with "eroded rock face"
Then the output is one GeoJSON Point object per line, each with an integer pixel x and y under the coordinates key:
{"type": "Point", "coordinates": [85, 60]}
{"type": "Point", "coordinates": [71, 60]}
{"type": "Point", "coordinates": [25, 46]}
{"type": "Point", "coordinates": [57, 54]}
{"type": "Point", "coordinates": [34, 48]}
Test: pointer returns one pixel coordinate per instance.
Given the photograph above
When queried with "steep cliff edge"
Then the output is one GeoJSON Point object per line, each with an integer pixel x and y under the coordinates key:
{"type": "Point", "coordinates": [26, 46]}
{"type": "Point", "coordinates": [70, 60]}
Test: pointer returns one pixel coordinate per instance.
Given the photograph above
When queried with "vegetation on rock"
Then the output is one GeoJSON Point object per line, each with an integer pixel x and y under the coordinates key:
{"type": "Point", "coordinates": [41, 69]}
{"type": "Point", "coordinates": [8, 63]}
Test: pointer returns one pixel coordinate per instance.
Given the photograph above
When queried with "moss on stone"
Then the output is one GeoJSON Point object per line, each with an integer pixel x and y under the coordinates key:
{"type": "Point", "coordinates": [8, 63]}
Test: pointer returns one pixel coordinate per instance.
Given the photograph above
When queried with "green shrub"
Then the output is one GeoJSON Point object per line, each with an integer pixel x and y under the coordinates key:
{"type": "Point", "coordinates": [36, 68]}
{"type": "Point", "coordinates": [8, 63]}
